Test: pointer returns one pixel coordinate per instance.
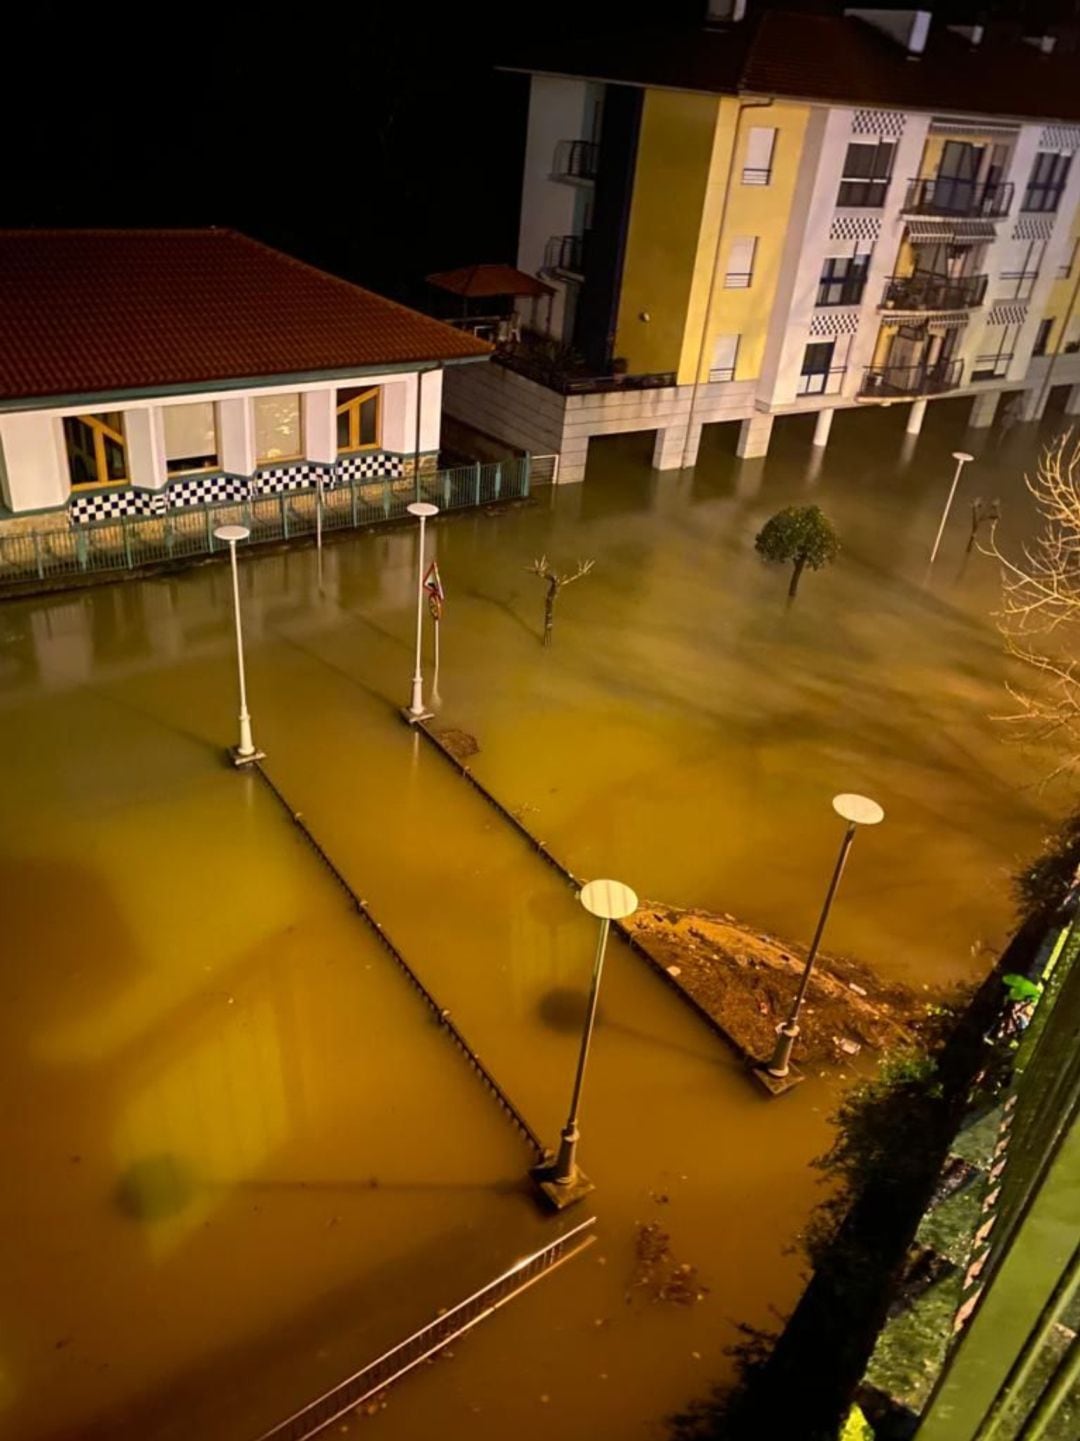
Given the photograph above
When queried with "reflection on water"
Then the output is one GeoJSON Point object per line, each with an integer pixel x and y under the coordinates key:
{"type": "Point", "coordinates": [242, 1159]}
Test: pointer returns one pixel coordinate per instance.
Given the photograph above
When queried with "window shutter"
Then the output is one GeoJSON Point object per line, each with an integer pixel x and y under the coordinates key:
{"type": "Point", "coordinates": [740, 266]}
{"type": "Point", "coordinates": [725, 354]}
{"type": "Point", "coordinates": [190, 430]}
{"type": "Point", "coordinates": [759, 155]}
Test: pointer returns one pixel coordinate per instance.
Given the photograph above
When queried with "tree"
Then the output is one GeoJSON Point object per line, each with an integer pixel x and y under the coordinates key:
{"type": "Point", "coordinates": [555, 583]}
{"type": "Point", "coordinates": [799, 534]}
{"type": "Point", "coordinates": [1040, 611]}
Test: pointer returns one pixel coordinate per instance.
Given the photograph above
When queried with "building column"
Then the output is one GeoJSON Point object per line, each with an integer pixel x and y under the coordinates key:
{"type": "Point", "coordinates": [1072, 401]}
{"type": "Point", "coordinates": [236, 436]}
{"type": "Point", "coordinates": [983, 409]}
{"type": "Point", "coordinates": [917, 416]}
{"type": "Point", "coordinates": [754, 436]}
{"type": "Point", "coordinates": [318, 409]}
{"type": "Point", "coordinates": [671, 443]}
{"type": "Point", "coordinates": [822, 426]}
{"type": "Point", "coordinates": [144, 438]}
{"type": "Point", "coordinates": [1033, 403]}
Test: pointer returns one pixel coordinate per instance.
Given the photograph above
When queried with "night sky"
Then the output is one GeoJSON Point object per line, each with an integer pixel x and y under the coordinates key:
{"type": "Point", "coordinates": [376, 140]}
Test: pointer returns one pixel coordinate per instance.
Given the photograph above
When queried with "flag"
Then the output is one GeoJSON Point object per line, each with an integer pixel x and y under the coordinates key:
{"type": "Point", "coordinates": [435, 593]}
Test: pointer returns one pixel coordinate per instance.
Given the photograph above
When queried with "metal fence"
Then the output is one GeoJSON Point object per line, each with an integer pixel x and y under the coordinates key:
{"type": "Point", "coordinates": [130, 542]}
{"type": "Point", "coordinates": [430, 1339]}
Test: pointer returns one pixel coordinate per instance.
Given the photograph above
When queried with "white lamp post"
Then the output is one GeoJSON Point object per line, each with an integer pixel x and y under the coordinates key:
{"type": "Point", "coordinates": [560, 1180]}
{"type": "Point", "coordinates": [857, 811]}
{"type": "Point", "coordinates": [961, 457]}
{"type": "Point", "coordinates": [245, 752]}
{"type": "Point", "coordinates": [415, 710]}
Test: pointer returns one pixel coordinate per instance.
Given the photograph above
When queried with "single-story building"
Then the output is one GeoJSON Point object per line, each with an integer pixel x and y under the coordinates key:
{"type": "Point", "coordinates": [145, 371]}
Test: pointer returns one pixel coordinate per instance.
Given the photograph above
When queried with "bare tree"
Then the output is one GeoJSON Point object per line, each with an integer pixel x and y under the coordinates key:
{"type": "Point", "coordinates": [1040, 612]}
{"type": "Point", "coordinates": [555, 583]}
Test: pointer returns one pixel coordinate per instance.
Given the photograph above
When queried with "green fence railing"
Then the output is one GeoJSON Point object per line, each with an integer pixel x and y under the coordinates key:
{"type": "Point", "coordinates": [129, 542]}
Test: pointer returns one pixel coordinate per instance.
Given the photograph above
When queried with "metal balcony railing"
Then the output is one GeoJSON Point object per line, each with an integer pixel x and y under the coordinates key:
{"type": "Point", "coordinates": [566, 253]}
{"type": "Point", "coordinates": [925, 290]}
{"type": "Point", "coordinates": [576, 160]}
{"type": "Point", "coordinates": [848, 291]}
{"type": "Point", "coordinates": [822, 382]}
{"type": "Point", "coordinates": [889, 380]}
{"type": "Point", "coordinates": [946, 195]}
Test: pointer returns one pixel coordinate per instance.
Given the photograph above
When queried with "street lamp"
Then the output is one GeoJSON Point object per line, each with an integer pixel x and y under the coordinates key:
{"type": "Point", "coordinates": [961, 457]}
{"type": "Point", "coordinates": [415, 710]}
{"type": "Point", "coordinates": [559, 1179]}
{"type": "Point", "coordinates": [857, 811]}
{"type": "Point", "coordinates": [245, 752]}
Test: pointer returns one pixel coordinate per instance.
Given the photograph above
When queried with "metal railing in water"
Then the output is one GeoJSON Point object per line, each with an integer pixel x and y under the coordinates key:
{"type": "Point", "coordinates": [430, 1339]}
{"type": "Point", "coordinates": [128, 542]}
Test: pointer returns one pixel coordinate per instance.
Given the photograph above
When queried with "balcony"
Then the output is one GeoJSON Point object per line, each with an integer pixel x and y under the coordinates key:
{"type": "Point", "coordinates": [576, 161]}
{"type": "Point", "coordinates": [886, 381]}
{"type": "Point", "coordinates": [848, 291]}
{"type": "Point", "coordinates": [948, 196]}
{"type": "Point", "coordinates": [924, 290]}
{"type": "Point", "coordinates": [566, 253]}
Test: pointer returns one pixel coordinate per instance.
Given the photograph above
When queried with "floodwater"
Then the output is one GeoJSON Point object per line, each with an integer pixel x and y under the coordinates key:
{"type": "Point", "coordinates": [241, 1159]}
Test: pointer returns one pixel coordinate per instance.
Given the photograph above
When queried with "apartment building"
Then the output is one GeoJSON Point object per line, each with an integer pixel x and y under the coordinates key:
{"type": "Point", "coordinates": [785, 213]}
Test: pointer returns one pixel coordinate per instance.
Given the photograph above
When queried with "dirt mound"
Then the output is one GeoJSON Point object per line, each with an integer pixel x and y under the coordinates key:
{"type": "Point", "coordinates": [747, 981]}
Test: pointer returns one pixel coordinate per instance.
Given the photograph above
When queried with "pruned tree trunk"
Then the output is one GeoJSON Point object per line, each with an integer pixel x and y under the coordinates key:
{"type": "Point", "coordinates": [800, 562]}
{"type": "Point", "coordinates": [549, 607]}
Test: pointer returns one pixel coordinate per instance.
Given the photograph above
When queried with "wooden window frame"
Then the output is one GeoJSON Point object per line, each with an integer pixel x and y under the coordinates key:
{"type": "Point", "coordinates": [101, 432]}
{"type": "Point", "coordinates": [351, 408]}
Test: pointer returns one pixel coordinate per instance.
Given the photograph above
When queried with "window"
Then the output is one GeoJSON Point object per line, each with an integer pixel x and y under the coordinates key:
{"type": "Point", "coordinates": [1065, 270]}
{"type": "Point", "coordinates": [95, 449]}
{"type": "Point", "coordinates": [1018, 284]}
{"type": "Point", "coordinates": [725, 357]}
{"type": "Point", "coordinates": [190, 438]}
{"type": "Point", "coordinates": [843, 278]}
{"type": "Point", "coordinates": [277, 428]}
{"type": "Point", "coordinates": [1042, 336]}
{"type": "Point", "coordinates": [358, 420]}
{"type": "Point", "coordinates": [1048, 176]}
{"type": "Point", "coordinates": [994, 363]}
{"type": "Point", "coordinates": [867, 169]}
{"type": "Point", "coordinates": [740, 266]}
{"type": "Point", "coordinates": [816, 366]}
{"type": "Point", "coordinates": [759, 156]}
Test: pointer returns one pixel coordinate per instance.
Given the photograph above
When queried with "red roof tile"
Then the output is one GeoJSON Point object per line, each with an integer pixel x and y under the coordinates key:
{"type": "Point", "coordinates": [478, 281]}
{"type": "Point", "coordinates": [86, 311]}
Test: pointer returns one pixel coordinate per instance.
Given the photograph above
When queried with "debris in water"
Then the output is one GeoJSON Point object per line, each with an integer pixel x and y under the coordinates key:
{"type": "Point", "coordinates": [674, 970]}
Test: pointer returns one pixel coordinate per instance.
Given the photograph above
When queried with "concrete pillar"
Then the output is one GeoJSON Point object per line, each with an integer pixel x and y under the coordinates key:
{"type": "Point", "coordinates": [671, 442]}
{"type": "Point", "coordinates": [823, 426]}
{"type": "Point", "coordinates": [983, 409]}
{"type": "Point", "coordinates": [1033, 403]}
{"type": "Point", "coordinates": [236, 436]}
{"type": "Point", "coordinates": [754, 436]}
{"type": "Point", "coordinates": [144, 438]}
{"type": "Point", "coordinates": [573, 459]}
{"type": "Point", "coordinates": [1072, 401]}
{"type": "Point", "coordinates": [915, 419]}
{"type": "Point", "coordinates": [318, 409]}
{"type": "Point", "coordinates": [33, 462]}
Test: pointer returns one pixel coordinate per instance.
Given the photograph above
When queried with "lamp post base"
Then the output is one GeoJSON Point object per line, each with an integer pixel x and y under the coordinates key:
{"type": "Point", "coordinates": [411, 717]}
{"type": "Point", "coordinates": [776, 1085]}
{"type": "Point", "coordinates": [560, 1195]}
{"type": "Point", "coordinates": [239, 759]}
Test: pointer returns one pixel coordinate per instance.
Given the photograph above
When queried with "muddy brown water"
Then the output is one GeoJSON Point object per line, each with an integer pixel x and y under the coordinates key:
{"type": "Point", "coordinates": [241, 1158]}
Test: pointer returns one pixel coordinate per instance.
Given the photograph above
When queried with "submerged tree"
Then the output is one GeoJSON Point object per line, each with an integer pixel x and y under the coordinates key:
{"type": "Point", "coordinates": [800, 534]}
{"type": "Point", "coordinates": [555, 583]}
{"type": "Point", "coordinates": [1040, 613]}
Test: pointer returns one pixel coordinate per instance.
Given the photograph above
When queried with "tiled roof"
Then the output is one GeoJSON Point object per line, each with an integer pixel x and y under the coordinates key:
{"type": "Point", "coordinates": [828, 57]}
{"type": "Point", "coordinates": [86, 311]}
{"type": "Point", "coordinates": [477, 281]}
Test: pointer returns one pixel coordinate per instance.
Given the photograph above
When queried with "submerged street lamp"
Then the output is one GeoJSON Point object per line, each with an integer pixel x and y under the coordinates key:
{"type": "Point", "coordinates": [857, 811]}
{"type": "Point", "coordinates": [961, 457]}
{"type": "Point", "coordinates": [245, 752]}
{"type": "Point", "coordinates": [559, 1179]}
{"type": "Point", "coordinates": [415, 710]}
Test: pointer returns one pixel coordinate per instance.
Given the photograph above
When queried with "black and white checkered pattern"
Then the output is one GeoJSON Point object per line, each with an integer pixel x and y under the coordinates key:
{"type": "Point", "coordinates": [92, 507]}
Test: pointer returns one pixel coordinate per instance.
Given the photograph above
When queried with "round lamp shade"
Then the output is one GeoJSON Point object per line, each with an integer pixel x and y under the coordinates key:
{"type": "Point", "coordinates": [859, 810]}
{"type": "Point", "coordinates": [422, 508]}
{"type": "Point", "coordinates": [609, 900]}
{"type": "Point", "coordinates": [231, 533]}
